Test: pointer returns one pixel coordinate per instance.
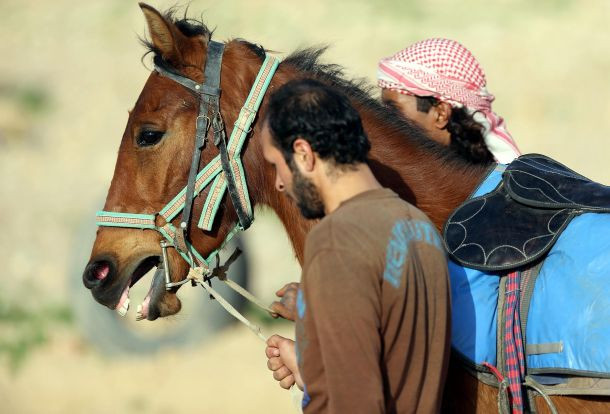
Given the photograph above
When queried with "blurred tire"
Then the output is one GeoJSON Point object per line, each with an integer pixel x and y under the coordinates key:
{"type": "Point", "coordinates": [199, 319]}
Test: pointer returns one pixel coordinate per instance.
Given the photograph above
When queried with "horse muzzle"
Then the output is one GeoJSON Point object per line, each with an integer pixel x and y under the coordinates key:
{"type": "Point", "coordinates": [109, 286]}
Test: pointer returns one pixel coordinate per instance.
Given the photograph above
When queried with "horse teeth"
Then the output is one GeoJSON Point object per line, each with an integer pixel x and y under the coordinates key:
{"type": "Point", "coordinates": [139, 315]}
{"type": "Point", "coordinates": [124, 308]}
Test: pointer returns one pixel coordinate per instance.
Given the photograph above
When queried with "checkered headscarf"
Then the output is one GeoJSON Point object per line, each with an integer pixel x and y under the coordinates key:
{"type": "Point", "coordinates": [446, 70]}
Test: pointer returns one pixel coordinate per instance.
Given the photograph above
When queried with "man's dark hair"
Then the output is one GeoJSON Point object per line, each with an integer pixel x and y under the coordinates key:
{"type": "Point", "coordinates": [322, 116]}
{"type": "Point", "coordinates": [466, 133]}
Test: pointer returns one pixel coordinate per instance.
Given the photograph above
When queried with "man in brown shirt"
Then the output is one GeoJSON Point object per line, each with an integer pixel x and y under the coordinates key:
{"type": "Point", "coordinates": [373, 309]}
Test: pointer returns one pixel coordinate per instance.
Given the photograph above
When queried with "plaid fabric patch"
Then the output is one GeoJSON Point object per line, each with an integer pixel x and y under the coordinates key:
{"type": "Point", "coordinates": [513, 342]}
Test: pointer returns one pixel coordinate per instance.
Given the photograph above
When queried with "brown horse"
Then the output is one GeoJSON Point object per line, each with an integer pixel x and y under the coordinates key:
{"type": "Point", "coordinates": [147, 177]}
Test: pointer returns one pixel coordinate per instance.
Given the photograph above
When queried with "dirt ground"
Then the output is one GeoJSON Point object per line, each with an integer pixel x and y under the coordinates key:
{"type": "Point", "coordinates": [69, 72]}
{"type": "Point", "coordinates": [228, 375]}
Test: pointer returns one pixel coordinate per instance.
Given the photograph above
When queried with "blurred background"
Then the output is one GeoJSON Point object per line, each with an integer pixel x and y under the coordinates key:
{"type": "Point", "coordinates": [70, 70]}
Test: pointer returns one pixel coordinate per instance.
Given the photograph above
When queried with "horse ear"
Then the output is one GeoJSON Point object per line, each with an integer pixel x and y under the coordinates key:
{"type": "Point", "coordinates": [161, 32]}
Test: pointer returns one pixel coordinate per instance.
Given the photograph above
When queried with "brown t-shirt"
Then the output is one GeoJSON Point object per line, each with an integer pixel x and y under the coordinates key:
{"type": "Point", "coordinates": [373, 324]}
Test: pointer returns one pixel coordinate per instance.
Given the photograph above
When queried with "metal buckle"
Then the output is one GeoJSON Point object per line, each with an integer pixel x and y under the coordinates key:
{"type": "Point", "coordinates": [248, 109]}
{"type": "Point", "coordinates": [219, 128]}
{"type": "Point", "coordinates": [241, 129]}
{"type": "Point", "coordinates": [168, 280]}
{"type": "Point", "coordinates": [218, 123]}
{"type": "Point", "coordinates": [252, 113]}
{"type": "Point", "coordinates": [203, 117]}
{"type": "Point", "coordinates": [169, 285]}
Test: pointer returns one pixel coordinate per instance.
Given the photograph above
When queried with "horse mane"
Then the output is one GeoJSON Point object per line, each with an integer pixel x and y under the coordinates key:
{"type": "Point", "coordinates": [362, 91]}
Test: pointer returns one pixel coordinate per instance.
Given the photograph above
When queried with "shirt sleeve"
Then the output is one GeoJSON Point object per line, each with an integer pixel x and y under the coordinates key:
{"type": "Point", "coordinates": [344, 307]}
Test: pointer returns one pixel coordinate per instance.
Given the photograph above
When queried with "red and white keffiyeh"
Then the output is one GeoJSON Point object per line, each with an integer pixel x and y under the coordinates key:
{"type": "Point", "coordinates": [446, 70]}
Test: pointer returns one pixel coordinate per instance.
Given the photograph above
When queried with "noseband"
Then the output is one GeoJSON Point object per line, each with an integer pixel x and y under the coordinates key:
{"type": "Point", "coordinates": [224, 172]}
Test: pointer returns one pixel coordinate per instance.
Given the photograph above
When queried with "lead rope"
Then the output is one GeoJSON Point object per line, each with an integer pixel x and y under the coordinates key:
{"type": "Point", "coordinates": [196, 275]}
{"type": "Point", "coordinates": [237, 288]}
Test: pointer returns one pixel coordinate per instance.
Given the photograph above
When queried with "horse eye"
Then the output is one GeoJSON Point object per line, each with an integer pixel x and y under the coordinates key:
{"type": "Point", "coordinates": [148, 138]}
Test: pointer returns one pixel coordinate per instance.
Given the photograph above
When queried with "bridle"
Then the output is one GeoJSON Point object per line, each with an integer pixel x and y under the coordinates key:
{"type": "Point", "coordinates": [224, 172]}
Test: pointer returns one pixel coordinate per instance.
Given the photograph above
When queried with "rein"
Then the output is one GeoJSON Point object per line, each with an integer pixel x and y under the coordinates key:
{"type": "Point", "coordinates": [224, 172]}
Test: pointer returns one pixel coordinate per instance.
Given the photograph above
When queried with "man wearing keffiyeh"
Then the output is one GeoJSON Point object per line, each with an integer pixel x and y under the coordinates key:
{"type": "Point", "coordinates": [440, 85]}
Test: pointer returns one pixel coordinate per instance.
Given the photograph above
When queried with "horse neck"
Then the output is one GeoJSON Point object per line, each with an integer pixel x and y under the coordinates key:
{"type": "Point", "coordinates": [261, 180]}
{"type": "Point", "coordinates": [421, 173]}
{"type": "Point", "coordinates": [434, 187]}
{"type": "Point", "coordinates": [425, 174]}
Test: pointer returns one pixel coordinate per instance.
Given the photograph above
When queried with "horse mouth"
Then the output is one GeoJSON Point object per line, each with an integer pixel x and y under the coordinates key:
{"type": "Point", "coordinates": [148, 309]}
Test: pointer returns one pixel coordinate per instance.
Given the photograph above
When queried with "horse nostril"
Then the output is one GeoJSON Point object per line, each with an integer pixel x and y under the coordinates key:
{"type": "Point", "coordinates": [96, 272]}
{"type": "Point", "coordinates": [101, 272]}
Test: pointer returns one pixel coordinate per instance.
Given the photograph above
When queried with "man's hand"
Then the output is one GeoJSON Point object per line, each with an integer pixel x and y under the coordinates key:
{"type": "Point", "coordinates": [282, 360]}
{"type": "Point", "coordinates": [286, 307]}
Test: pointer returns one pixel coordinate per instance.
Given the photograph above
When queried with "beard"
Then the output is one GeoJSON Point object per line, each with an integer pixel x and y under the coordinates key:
{"type": "Point", "coordinates": [306, 195]}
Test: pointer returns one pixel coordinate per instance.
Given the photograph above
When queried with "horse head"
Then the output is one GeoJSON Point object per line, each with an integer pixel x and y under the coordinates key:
{"type": "Point", "coordinates": [154, 161]}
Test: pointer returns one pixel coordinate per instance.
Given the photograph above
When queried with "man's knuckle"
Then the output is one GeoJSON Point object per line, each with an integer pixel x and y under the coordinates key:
{"type": "Point", "coordinates": [287, 382]}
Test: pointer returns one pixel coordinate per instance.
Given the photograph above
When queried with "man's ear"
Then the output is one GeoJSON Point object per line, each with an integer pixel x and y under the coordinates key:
{"type": "Point", "coordinates": [164, 36]}
{"type": "Point", "coordinates": [303, 154]}
{"type": "Point", "coordinates": [441, 113]}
